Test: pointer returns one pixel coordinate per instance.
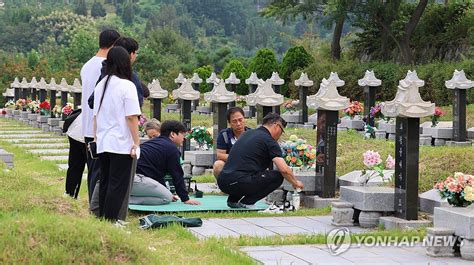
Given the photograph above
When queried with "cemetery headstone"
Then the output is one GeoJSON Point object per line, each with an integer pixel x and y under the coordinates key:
{"type": "Point", "coordinates": [25, 86]}
{"type": "Point", "coordinates": [64, 88]}
{"type": "Point", "coordinates": [16, 87]}
{"type": "Point", "coordinates": [157, 94]}
{"type": "Point", "coordinates": [42, 89]}
{"type": "Point", "coordinates": [369, 82]}
{"type": "Point", "coordinates": [76, 90]}
{"type": "Point", "coordinates": [33, 88]}
{"type": "Point", "coordinates": [459, 83]}
{"type": "Point", "coordinates": [303, 83]}
{"type": "Point", "coordinates": [186, 93]}
{"type": "Point", "coordinates": [276, 84]}
{"type": "Point", "coordinates": [328, 102]}
{"type": "Point", "coordinates": [408, 108]}
{"type": "Point", "coordinates": [253, 82]}
{"type": "Point", "coordinates": [196, 81]}
{"type": "Point", "coordinates": [233, 81]}
{"type": "Point", "coordinates": [52, 87]}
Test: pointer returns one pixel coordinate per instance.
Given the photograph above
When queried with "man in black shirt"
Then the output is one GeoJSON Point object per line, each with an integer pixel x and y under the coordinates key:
{"type": "Point", "coordinates": [160, 156]}
{"type": "Point", "coordinates": [245, 176]}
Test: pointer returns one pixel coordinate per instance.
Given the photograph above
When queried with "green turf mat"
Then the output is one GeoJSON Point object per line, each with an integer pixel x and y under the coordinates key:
{"type": "Point", "coordinates": [208, 203]}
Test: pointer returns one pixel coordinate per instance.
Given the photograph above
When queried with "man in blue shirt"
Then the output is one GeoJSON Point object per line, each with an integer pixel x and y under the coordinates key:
{"type": "Point", "coordinates": [227, 137]}
{"type": "Point", "coordinates": [160, 156]}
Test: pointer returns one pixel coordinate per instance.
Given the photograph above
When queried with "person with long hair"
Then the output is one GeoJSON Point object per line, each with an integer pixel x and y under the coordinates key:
{"type": "Point", "coordinates": [116, 111]}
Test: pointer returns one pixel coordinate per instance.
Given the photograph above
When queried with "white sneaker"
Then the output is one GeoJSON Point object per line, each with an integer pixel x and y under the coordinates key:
{"type": "Point", "coordinates": [273, 208]}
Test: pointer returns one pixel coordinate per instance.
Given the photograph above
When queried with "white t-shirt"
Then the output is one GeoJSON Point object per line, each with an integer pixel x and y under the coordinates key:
{"type": "Point", "coordinates": [75, 129]}
{"type": "Point", "coordinates": [90, 73]}
{"type": "Point", "coordinates": [120, 100]}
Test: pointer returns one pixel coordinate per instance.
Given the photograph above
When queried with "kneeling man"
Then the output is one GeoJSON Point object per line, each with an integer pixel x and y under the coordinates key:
{"type": "Point", "coordinates": [160, 156]}
{"type": "Point", "coordinates": [246, 176]}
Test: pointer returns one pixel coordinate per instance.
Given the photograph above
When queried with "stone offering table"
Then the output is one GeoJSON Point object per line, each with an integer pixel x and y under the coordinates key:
{"type": "Point", "coordinates": [200, 160]}
{"type": "Point", "coordinates": [372, 202]}
{"type": "Point", "coordinates": [461, 221]}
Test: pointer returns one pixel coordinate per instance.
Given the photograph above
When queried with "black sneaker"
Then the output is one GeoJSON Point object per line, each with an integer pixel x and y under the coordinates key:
{"type": "Point", "coordinates": [247, 206]}
{"type": "Point", "coordinates": [233, 204]}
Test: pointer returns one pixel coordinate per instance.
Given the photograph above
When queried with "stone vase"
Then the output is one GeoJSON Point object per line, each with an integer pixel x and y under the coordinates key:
{"type": "Point", "coordinates": [305, 175]}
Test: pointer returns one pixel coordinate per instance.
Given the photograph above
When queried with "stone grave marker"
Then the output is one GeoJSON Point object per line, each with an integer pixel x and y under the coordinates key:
{"type": "Point", "coordinates": [408, 108]}
{"type": "Point", "coordinates": [253, 81]}
{"type": "Point", "coordinates": [157, 94]}
{"type": "Point", "coordinates": [232, 81]}
{"type": "Point", "coordinates": [303, 83]}
{"type": "Point", "coordinates": [370, 83]}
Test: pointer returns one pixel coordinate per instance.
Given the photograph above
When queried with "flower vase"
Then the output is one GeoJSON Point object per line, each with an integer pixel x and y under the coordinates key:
{"type": "Point", "coordinates": [458, 201]}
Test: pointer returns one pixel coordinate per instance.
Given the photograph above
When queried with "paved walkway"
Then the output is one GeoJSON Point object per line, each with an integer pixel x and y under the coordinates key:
{"type": "Point", "coordinates": [266, 226]}
{"type": "Point", "coordinates": [319, 254]}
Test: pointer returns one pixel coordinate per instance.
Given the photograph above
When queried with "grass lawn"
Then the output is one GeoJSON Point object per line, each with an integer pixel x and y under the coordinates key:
{"type": "Point", "coordinates": [37, 224]}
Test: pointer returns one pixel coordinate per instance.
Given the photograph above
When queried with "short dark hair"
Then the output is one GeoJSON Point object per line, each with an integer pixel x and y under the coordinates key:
{"type": "Point", "coordinates": [172, 126]}
{"type": "Point", "coordinates": [107, 38]}
{"type": "Point", "coordinates": [234, 110]}
{"type": "Point", "coordinates": [146, 91]}
{"type": "Point", "coordinates": [272, 118]}
{"type": "Point", "coordinates": [129, 44]}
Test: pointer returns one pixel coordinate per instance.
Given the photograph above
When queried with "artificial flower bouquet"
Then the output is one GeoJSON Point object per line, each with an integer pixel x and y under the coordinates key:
{"type": "Point", "coordinates": [202, 136]}
{"type": "Point", "coordinates": [457, 189]}
{"type": "Point", "coordinates": [355, 108]}
{"type": "Point", "coordinates": [10, 104]}
{"type": "Point", "coordinates": [44, 108]}
{"type": "Point", "coordinates": [56, 111]}
{"type": "Point", "coordinates": [67, 109]}
{"type": "Point", "coordinates": [374, 163]}
{"type": "Point", "coordinates": [297, 153]}
{"type": "Point", "coordinates": [33, 106]}
{"type": "Point", "coordinates": [290, 106]}
{"type": "Point", "coordinates": [141, 125]}
{"type": "Point", "coordinates": [376, 112]}
{"type": "Point", "coordinates": [20, 104]}
{"type": "Point", "coordinates": [435, 118]}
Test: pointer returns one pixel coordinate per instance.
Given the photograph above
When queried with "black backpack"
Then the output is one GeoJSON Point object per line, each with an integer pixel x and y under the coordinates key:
{"type": "Point", "coordinates": [70, 119]}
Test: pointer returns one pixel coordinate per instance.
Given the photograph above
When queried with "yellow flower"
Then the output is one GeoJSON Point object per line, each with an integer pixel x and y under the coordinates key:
{"type": "Point", "coordinates": [469, 193]}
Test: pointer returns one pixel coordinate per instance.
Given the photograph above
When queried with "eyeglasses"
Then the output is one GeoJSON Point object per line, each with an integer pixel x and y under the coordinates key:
{"type": "Point", "coordinates": [281, 127]}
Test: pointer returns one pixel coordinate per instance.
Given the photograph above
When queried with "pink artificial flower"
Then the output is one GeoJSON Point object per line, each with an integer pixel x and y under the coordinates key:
{"type": "Point", "coordinates": [390, 162]}
{"type": "Point", "coordinates": [439, 186]}
{"type": "Point", "coordinates": [372, 158]}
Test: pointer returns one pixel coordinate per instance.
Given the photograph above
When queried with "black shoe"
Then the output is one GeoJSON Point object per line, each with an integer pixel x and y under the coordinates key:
{"type": "Point", "coordinates": [233, 204]}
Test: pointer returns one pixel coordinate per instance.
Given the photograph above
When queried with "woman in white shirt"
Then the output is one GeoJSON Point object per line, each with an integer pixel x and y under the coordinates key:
{"type": "Point", "coordinates": [116, 111]}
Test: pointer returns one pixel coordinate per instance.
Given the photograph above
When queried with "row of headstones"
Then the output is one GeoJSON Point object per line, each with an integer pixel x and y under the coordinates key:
{"type": "Point", "coordinates": [46, 123]}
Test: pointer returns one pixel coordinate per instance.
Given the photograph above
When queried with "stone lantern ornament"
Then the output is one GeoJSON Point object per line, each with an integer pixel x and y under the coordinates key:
{"type": "Point", "coordinates": [328, 102]}
{"type": "Point", "coordinates": [459, 83]}
{"type": "Point", "coordinates": [157, 94]}
{"type": "Point", "coordinates": [265, 98]}
{"type": "Point", "coordinates": [408, 108]}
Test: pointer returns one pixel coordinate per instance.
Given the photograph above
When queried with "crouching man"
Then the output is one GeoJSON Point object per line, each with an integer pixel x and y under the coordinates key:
{"type": "Point", "coordinates": [246, 176]}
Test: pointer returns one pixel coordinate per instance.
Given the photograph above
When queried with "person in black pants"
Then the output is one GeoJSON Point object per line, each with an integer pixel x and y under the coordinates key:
{"type": "Point", "coordinates": [254, 181]}
{"type": "Point", "coordinates": [116, 112]}
{"type": "Point", "coordinates": [77, 157]}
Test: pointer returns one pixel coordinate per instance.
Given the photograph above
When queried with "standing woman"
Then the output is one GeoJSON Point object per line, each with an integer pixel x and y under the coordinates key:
{"type": "Point", "coordinates": [116, 111]}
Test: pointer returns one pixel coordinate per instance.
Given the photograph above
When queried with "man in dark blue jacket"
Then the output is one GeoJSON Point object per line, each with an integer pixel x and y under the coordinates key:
{"type": "Point", "coordinates": [160, 156]}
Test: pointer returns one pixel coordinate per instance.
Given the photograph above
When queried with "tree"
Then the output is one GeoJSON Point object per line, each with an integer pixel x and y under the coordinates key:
{"type": "Point", "coordinates": [128, 12]}
{"type": "Point", "coordinates": [33, 59]}
{"type": "Point", "coordinates": [204, 73]}
{"type": "Point", "coordinates": [330, 11]}
{"type": "Point", "coordinates": [295, 58]}
{"type": "Point", "coordinates": [98, 10]}
{"type": "Point", "coordinates": [83, 46]}
{"type": "Point", "coordinates": [264, 63]}
{"type": "Point", "coordinates": [81, 8]}
{"type": "Point", "coordinates": [235, 66]}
